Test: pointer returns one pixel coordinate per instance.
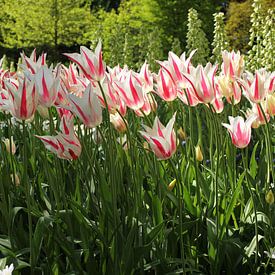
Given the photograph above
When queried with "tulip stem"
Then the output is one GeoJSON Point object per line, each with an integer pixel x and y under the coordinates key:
{"type": "Point", "coordinates": [28, 190]}
{"type": "Point", "coordinates": [249, 186]}
{"type": "Point", "coordinates": [181, 205]}
{"type": "Point", "coordinates": [269, 149]}
{"type": "Point", "coordinates": [196, 172]}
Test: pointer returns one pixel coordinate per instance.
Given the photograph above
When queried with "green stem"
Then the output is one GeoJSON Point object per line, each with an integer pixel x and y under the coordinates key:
{"type": "Point", "coordinates": [28, 190]}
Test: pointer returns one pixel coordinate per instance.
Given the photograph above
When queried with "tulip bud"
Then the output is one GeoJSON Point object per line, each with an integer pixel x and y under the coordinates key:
{"type": "Point", "coordinates": [271, 104]}
{"type": "Point", "coordinates": [172, 184]}
{"type": "Point", "coordinates": [43, 111]}
{"type": "Point", "coordinates": [118, 122]}
{"type": "Point", "coordinates": [199, 155]}
{"type": "Point", "coordinates": [181, 134]}
{"type": "Point", "coordinates": [269, 197]}
{"type": "Point", "coordinates": [15, 179]}
{"type": "Point", "coordinates": [145, 145]}
{"type": "Point", "coordinates": [11, 149]}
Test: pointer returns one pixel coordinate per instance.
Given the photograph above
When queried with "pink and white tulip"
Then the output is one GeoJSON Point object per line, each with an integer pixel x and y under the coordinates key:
{"type": "Point", "coordinates": [240, 130]}
{"type": "Point", "coordinates": [166, 87]}
{"type": "Point", "coordinates": [23, 98]}
{"type": "Point", "coordinates": [47, 86]}
{"type": "Point", "coordinates": [202, 81]}
{"type": "Point", "coordinates": [162, 139]}
{"type": "Point", "coordinates": [65, 144]}
{"type": "Point", "coordinates": [87, 107]}
{"type": "Point", "coordinates": [90, 63]}
{"type": "Point", "coordinates": [233, 64]}
{"type": "Point", "coordinates": [130, 88]}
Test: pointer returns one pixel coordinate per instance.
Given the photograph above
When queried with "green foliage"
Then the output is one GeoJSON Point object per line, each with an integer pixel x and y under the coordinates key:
{"type": "Point", "coordinates": [238, 22]}
{"type": "Point", "coordinates": [176, 47]}
{"type": "Point", "coordinates": [131, 35]}
{"type": "Point", "coordinates": [196, 39]}
{"type": "Point", "coordinates": [44, 22]}
{"type": "Point", "coordinates": [220, 42]}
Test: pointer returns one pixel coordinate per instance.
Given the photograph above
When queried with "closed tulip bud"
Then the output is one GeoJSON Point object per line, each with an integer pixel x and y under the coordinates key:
{"type": "Point", "coordinates": [118, 122]}
{"type": "Point", "coordinates": [172, 184]}
{"type": "Point", "coordinates": [15, 180]}
{"type": "Point", "coordinates": [269, 197]}
{"type": "Point", "coordinates": [181, 134]}
{"type": "Point", "coordinates": [10, 147]}
{"type": "Point", "coordinates": [145, 145]}
{"type": "Point", "coordinates": [199, 155]}
{"type": "Point", "coordinates": [271, 104]}
{"type": "Point", "coordinates": [43, 111]}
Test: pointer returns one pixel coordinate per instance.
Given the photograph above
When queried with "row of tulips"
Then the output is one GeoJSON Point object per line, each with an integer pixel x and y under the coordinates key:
{"type": "Point", "coordinates": [137, 194]}
{"type": "Point", "coordinates": [83, 92]}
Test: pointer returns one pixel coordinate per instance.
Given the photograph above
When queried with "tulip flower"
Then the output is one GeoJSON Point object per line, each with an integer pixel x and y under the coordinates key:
{"type": "Point", "coordinates": [150, 104]}
{"type": "Point", "coordinates": [10, 145]}
{"type": "Point", "coordinates": [176, 66]}
{"type": "Point", "coordinates": [146, 78]}
{"type": "Point", "coordinates": [73, 82]}
{"type": "Point", "coordinates": [47, 86]}
{"type": "Point", "coordinates": [31, 64]}
{"type": "Point", "coordinates": [229, 88]}
{"type": "Point", "coordinates": [118, 122]}
{"type": "Point", "coordinates": [87, 107]}
{"type": "Point", "coordinates": [233, 64]}
{"type": "Point", "coordinates": [23, 99]}
{"type": "Point", "coordinates": [256, 88]}
{"type": "Point", "coordinates": [240, 130]}
{"type": "Point", "coordinates": [166, 87]}
{"type": "Point", "coordinates": [65, 144]}
{"type": "Point", "coordinates": [202, 83]}
{"type": "Point", "coordinates": [129, 87]}
{"type": "Point", "coordinates": [162, 139]}
{"type": "Point", "coordinates": [198, 152]}
{"type": "Point", "coordinates": [90, 63]}
{"type": "Point", "coordinates": [270, 99]}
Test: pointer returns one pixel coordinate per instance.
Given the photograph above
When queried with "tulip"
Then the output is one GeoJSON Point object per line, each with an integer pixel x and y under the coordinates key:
{"type": "Point", "coordinates": [229, 88]}
{"type": "Point", "coordinates": [90, 63]}
{"type": "Point", "coordinates": [15, 180]}
{"type": "Point", "coordinates": [198, 152]}
{"type": "Point", "coordinates": [202, 83]}
{"type": "Point", "coordinates": [176, 66]}
{"type": "Point", "coordinates": [270, 99]}
{"type": "Point", "coordinates": [261, 117]}
{"type": "Point", "coordinates": [172, 184]}
{"type": "Point", "coordinates": [146, 78]}
{"type": "Point", "coordinates": [65, 144]}
{"type": "Point", "coordinates": [162, 140]}
{"type": "Point", "coordinates": [23, 99]}
{"type": "Point", "coordinates": [269, 197]}
{"type": "Point", "coordinates": [233, 64]}
{"type": "Point", "coordinates": [47, 86]}
{"type": "Point", "coordinates": [150, 104]}
{"type": "Point", "coordinates": [130, 89]}
{"type": "Point", "coordinates": [166, 87]}
{"type": "Point", "coordinates": [240, 130]}
{"type": "Point", "coordinates": [73, 82]}
{"type": "Point", "coordinates": [31, 64]}
{"type": "Point", "coordinates": [87, 108]}
{"type": "Point", "coordinates": [256, 88]}
{"type": "Point", "coordinates": [10, 145]}
{"type": "Point", "coordinates": [118, 122]}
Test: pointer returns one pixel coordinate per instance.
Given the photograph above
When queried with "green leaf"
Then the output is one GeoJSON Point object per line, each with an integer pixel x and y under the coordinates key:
{"type": "Point", "coordinates": [249, 250]}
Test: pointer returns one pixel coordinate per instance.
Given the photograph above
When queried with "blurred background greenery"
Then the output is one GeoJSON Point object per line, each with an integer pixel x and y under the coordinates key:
{"type": "Point", "coordinates": [131, 30]}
